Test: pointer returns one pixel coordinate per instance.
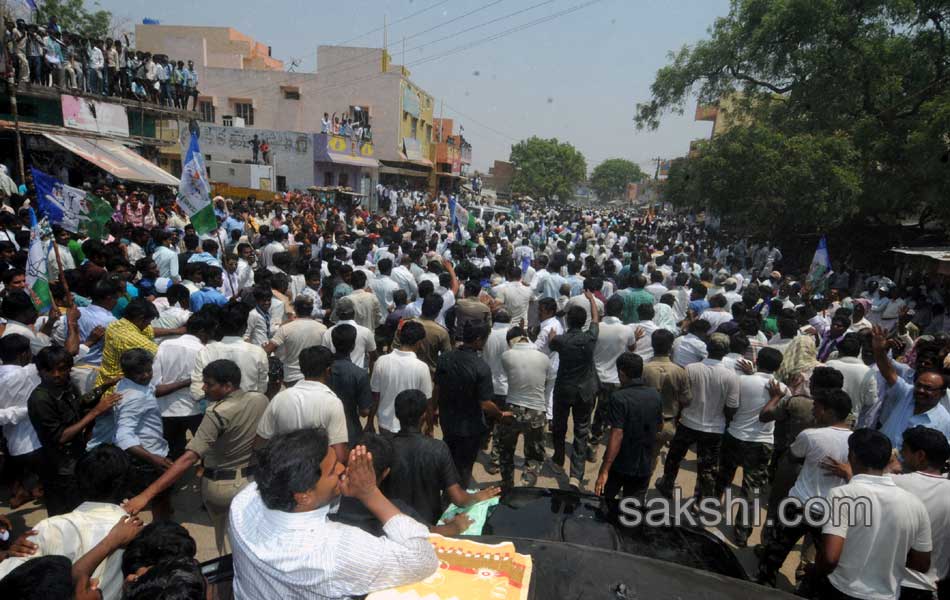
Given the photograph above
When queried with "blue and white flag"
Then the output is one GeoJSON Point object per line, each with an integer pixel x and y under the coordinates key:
{"type": "Point", "coordinates": [194, 191]}
{"type": "Point", "coordinates": [30, 3]}
{"type": "Point", "coordinates": [58, 202]}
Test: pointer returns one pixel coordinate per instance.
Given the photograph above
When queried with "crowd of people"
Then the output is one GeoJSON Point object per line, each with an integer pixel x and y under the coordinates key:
{"type": "Point", "coordinates": [50, 56]}
{"type": "Point", "coordinates": [335, 373]}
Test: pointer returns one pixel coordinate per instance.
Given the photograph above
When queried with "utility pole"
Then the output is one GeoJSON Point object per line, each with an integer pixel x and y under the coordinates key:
{"type": "Point", "coordinates": [16, 128]}
{"type": "Point", "coordinates": [656, 174]}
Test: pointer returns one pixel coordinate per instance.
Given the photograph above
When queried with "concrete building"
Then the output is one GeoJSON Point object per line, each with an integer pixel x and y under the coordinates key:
{"type": "Point", "coordinates": [453, 156]}
{"type": "Point", "coordinates": [499, 178]}
{"type": "Point", "coordinates": [238, 78]}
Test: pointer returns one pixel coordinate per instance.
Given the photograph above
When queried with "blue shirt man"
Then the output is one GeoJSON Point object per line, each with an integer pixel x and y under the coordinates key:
{"type": "Point", "coordinates": [207, 295]}
{"type": "Point", "coordinates": [908, 405]}
{"type": "Point", "coordinates": [138, 419]}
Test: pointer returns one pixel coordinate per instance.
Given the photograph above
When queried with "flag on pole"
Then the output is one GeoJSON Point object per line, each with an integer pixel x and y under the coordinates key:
{"type": "Point", "coordinates": [194, 192]}
{"type": "Point", "coordinates": [37, 274]}
{"type": "Point", "coordinates": [72, 208]}
{"type": "Point", "coordinates": [820, 267]}
{"type": "Point", "coordinates": [31, 4]}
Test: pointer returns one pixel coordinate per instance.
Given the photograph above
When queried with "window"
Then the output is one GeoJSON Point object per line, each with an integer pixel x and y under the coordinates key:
{"type": "Point", "coordinates": [245, 110]}
{"type": "Point", "coordinates": [328, 179]}
{"type": "Point", "coordinates": [291, 94]}
{"type": "Point", "coordinates": [415, 127]}
{"type": "Point", "coordinates": [344, 179]}
{"type": "Point", "coordinates": [428, 133]}
{"type": "Point", "coordinates": [206, 111]}
{"type": "Point", "coordinates": [227, 121]}
{"type": "Point", "coordinates": [281, 183]}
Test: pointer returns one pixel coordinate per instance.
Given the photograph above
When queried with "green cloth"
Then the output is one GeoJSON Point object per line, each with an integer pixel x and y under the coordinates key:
{"type": "Point", "coordinates": [633, 298]}
{"type": "Point", "coordinates": [770, 326]}
{"type": "Point", "coordinates": [75, 248]}
{"type": "Point", "coordinates": [477, 512]}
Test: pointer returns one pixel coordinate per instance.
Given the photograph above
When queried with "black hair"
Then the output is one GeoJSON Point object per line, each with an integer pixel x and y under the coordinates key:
{"type": "Point", "coordinates": [343, 337]}
{"type": "Point", "coordinates": [614, 306]}
{"type": "Point", "coordinates": [303, 305]}
{"type": "Point", "coordinates": [472, 288]}
{"type": "Point", "coordinates": [426, 288]}
{"type": "Point", "coordinates": [140, 308]}
{"type": "Point", "coordinates": [178, 294]}
{"type": "Point", "coordinates": [738, 343]}
{"type": "Point", "coordinates": [410, 406]}
{"type": "Point", "coordinates": [18, 306]}
{"type": "Point", "coordinates": [826, 378]}
{"type": "Point", "coordinates": [385, 266]}
{"type": "Point", "coordinates": [382, 449]}
{"type": "Point", "coordinates": [837, 401]}
{"type": "Point", "coordinates": [290, 464]}
{"type": "Point", "coordinates": [158, 541]}
{"type": "Point", "coordinates": [101, 474]}
{"type": "Point", "coordinates": [13, 346]}
{"type": "Point", "coordinates": [871, 448]}
{"type": "Point", "coordinates": [630, 364]}
{"type": "Point", "coordinates": [514, 332]}
{"type": "Point", "coordinates": [850, 345]}
{"type": "Point", "coordinates": [52, 356]}
{"type": "Point", "coordinates": [135, 361]}
{"type": "Point", "coordinates": [787, 327]}
{"type": "Point", "coordinates": [548, 304]}
{"type": "Point", "coordinates": [400, 297]}
{"type": "Point", "coordinates": [41, 578]}
{"type": "Point", "coordinates": [769, 360]}
{"type": "Point", "coordinates": [222, 371]}
{"type": "Point", "coordinates": [202, 321]}
{"type": "Point", "coordinates": [103, 289]}
{"type": "Point", "coordinates": [211, 273]}
{"type": "Point", "coordinates": [933, 443]}
{"type": "Point", "coordinates": [576, 317]}
{"type": "Point", "coordinates": [472, 332]}
{"type": "Point", "coordinates": [645, 312]}
{"type": "Point", "coordinates": [662, 342]}
{"type": "Point", "coordinates": [315, 360]}
{"type": "Point", "coordinates": [234, 319]}
{"type": "Point", "coordinates": [174, 579]}
{"type": "Point", "coordinates": [358, 280]}
{"type": "Point", "coordinates": [411, 333]}
{"type": "Point", "coordinates": [431, 305]}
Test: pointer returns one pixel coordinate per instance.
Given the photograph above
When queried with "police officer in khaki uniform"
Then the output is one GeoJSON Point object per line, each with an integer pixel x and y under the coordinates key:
{"type": "Point", "coordinates": [223, 443]}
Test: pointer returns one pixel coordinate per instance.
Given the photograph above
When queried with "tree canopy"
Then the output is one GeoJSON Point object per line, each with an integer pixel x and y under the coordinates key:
{"type": "Point", "coordinates": [863, 84]}
{"type": "Point", "coordinates": [72, 16]}
{"type": "Point", "coordinates": [610, 178]}
{"type": "Point", "coordinates": [545, 168]}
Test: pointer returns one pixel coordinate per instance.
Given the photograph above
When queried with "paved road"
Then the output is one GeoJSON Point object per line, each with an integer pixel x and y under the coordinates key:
{"type": "Point", "coordinates": [190, 512]}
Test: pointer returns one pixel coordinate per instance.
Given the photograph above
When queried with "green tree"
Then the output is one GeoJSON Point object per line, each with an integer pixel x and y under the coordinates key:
{"type": "Point", "coordinates": [545, 168]}
{"type": "Point", "coordinates": [871, 76]}
{"type": "Point", "coordinates": [72, 16]}
{"type": "Point", "coordinates": [771, 183]}
{"type": "Point", "coordinates": [610, 178]}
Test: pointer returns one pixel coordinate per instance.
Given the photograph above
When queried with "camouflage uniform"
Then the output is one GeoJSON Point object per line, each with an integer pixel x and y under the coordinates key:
{"type": "Point", "coordinates": [754, 459]}
{"type": "Point", "coordinates": [530, 423]}
{"type": "Point", "coordinates": [707, 460]}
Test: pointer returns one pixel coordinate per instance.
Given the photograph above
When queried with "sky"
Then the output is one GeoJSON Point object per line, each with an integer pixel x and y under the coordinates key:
{"type": "Point", "coordinates": [576, 77]}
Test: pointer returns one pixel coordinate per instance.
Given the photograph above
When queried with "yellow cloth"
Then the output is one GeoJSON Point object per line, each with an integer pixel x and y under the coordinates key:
{"type": "Point", "coordinates": [469, 571]}
{"type": "Point", "coordinates": [122, 335]}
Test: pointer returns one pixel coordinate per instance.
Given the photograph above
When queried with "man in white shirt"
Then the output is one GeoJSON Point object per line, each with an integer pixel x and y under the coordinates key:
{"type": "Point", "coordinates": [879, 531]}
{"type": "Point", "coordinates": [656, 286]}
{"type": "Point", "coordinates": [715, 390]}
{"type": "Point", "coordinates": [295, 336]}
{"type": "Point", "coordinates": [859, 379]}
{"type": "Point", "coordinates": [748, 441]}
{"type": "Point", "coordinates": [691, 348]}
{"type": "Point", "coordinates": [250, 358]}
{"type": "Point", "coordinates": [165, 257]}
{"type": "Point", "coordinates": [384, 286]}
{"type": "Point", "coordinates": [614, 339]}
{"type": "Point", "coordinates": [171, 375]}
{"type": "Point", "coordinates": [18, 379]}
{"type": "Point", "coordinates": [404, 278]}
{"type": "Point", "coordinates": [275, 246]}
{"type": "Point", "coordinates": [284, 545]}
{"type": "Point", "coordinates": [828, 440]}
{"type": "Point", "coordinates": [395, 372]}
{"type": "Point", "coordinates": [530, 379]}
{"type": "Point", "coordinates": [550, 328]}
{"type": "Point", "coordinates": [495, 346]}
{"type": "Point", "coordinates": [645, 328]}
{"type": "Point", "coordinates": [924, 453]}
{"type": "Point", "coordinates": [367, 310]}
{"type": "Point", "coordinates": [102, 475]}
{"type": "Point", "coordinates": [716, 314]}
{"type": "Point", "coordinates": [308, 404]}
{"type": "Point", "coordinates": [365, 338]}
{"type": "Point", "coordinates": [515, 297]}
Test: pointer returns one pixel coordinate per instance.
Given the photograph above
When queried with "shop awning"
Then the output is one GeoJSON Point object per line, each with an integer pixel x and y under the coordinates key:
{"type": "Point", "coordinates": [355, 161]}
{"type": "Point", "coordinates": [404, 172]}
{"type": "Point", "coordinates": [938, 254]}
{"type": "Point", "coordinates": [115, 158]}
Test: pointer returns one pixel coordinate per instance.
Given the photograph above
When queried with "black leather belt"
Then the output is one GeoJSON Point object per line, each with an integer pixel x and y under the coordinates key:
{"type": "Point", "coordinates": [227, 474]}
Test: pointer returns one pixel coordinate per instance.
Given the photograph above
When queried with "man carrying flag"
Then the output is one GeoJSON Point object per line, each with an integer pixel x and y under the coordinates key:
{"type": "Point", "coordinates": [194, 192]}
{"type": "Point", "coordinates": [820, 269]}
{"type": "Point", "coordinates": [37, 280]}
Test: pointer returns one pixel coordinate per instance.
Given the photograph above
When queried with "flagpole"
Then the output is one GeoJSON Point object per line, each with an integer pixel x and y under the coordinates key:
{"type": "Point", "coordinates": [61, 275]}
{"type": "Point", "coordinates": [16, 129]}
